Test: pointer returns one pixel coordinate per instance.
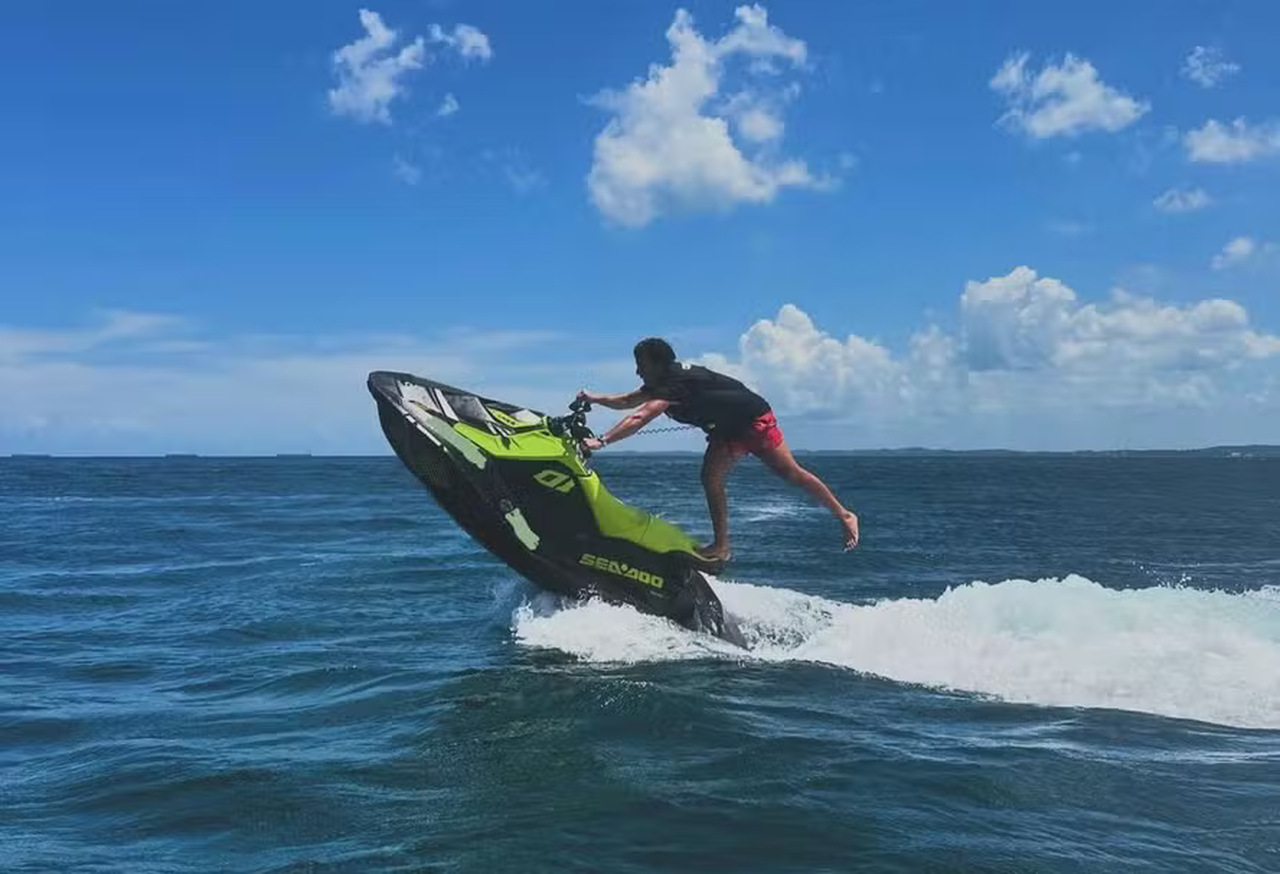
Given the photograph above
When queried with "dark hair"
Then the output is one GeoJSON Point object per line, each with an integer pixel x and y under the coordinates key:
{"type": "Point", "coordinates": [656, 351]}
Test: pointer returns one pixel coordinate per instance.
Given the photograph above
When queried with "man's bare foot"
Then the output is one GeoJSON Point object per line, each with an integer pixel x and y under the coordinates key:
{"type": "Point", "coordinates": [715, 553]}
{"type": "Point", "coordinates": [850, 522]}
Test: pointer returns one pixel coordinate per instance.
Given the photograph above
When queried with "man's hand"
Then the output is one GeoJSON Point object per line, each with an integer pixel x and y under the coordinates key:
{"type": "Point", "coordinates": [850, 522]}
{"type": "Point", "coordinates": [588, 396]}
{"type": "Point", "coordinates": [592, 444]}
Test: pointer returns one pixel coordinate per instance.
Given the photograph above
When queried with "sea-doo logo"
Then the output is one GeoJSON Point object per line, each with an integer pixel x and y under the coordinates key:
{"type": "Point", "coordinates": [554, 479]}
{"type": "Point", "coordinates": [620, 569]}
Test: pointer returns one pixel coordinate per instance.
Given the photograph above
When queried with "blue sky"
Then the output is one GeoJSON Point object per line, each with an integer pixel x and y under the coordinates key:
{"type": "Point", "coordinates": [961, 225]}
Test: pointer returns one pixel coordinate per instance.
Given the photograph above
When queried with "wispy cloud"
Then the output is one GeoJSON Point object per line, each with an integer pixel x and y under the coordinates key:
{"type": "Point", "coordinates": [1208, 67]}
{"type": "Point", "coordinates": [1182, 200]}
{"type": "Point", "coordinates": [1070, 228]}
{"type": "Point", "coordinates": [110, 329]}
{"type": "Point", "coordinates": [410, 174]}
{"type": "Point", "coordinates": [371, 73]}
{"type": "Point", "coordinates": [469, 42]}
{"type": "Point", "coordinates": [1066, 99]}
{"type": "Point", "coordinates": [516, 169]}
{"type": "Point", "coordinates": [147, 383]}
{"type": "Point", "coordinates": [448, 106]}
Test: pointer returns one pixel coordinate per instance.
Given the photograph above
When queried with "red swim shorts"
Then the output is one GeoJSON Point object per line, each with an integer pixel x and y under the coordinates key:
{"type": "Point", "coordinates": [763, 434]}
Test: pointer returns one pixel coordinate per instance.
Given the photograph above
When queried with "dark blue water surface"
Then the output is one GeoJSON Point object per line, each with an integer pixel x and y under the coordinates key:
{"type": "Point", "coordinates": [1030, 664]}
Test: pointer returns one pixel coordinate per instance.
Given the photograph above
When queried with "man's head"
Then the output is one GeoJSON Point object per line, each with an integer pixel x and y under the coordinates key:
{"type": "Point", "coordinates": [654, 358]}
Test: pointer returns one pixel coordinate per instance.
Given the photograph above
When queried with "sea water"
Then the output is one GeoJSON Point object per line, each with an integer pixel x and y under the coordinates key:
{"type": "Point", "coordinates": [1030, 663]}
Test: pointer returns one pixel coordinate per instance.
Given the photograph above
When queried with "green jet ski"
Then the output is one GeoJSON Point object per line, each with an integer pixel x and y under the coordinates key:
{"type": "Point", "coordinates": [518, 482]}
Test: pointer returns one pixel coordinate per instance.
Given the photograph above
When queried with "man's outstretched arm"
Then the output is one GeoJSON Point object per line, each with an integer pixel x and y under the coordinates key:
{"type": "Point", "coordinates": [626, 401]}
{"type": "Point", "coordinates": [631, 424]}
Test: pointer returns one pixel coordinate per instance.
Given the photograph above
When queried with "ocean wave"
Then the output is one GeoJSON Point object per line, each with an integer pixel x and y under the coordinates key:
{"type": "Point", "coordinates": [1172, 651]}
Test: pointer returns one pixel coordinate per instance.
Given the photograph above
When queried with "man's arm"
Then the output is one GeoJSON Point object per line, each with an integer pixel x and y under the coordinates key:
{"type": "Point", "coordinates": [631, 424]}
{"type": "Point", "coordinates": [626, 401]}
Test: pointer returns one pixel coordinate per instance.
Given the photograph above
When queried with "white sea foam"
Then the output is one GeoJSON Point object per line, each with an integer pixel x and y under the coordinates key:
{"type": "Point", "coordinates": [1174, 651]}
{"type": "Point", "coordinates": [776, 508]}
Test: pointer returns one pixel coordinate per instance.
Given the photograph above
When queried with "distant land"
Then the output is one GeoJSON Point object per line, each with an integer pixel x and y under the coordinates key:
{"type": "Point", "coordinates": [1249, 451]}
{"type": "Point", "coordinates": [1245, 451]}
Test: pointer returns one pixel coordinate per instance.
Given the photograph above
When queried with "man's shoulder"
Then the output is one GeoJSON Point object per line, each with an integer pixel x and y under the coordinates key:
{"type": "Point", "coordinates": [684, 375]}
{"type": "Point", "coordinates": [685, 369]}
{"type": "Point", "coordinates": [699, 373]}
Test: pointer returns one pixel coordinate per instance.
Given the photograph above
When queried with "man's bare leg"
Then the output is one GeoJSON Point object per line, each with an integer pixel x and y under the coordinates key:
{"type": "Point", "coordinates": [783, 463]}
{"type": "Point", "coordinates": [716, 464]}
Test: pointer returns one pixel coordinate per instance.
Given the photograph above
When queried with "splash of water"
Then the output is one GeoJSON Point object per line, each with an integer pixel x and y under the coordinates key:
{"type": "Point", "coordinates": [1172, 651]}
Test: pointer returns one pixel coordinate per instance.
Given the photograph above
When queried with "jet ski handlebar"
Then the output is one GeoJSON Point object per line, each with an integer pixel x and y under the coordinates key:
{"type": "Point", "coordinates": [575, 424]}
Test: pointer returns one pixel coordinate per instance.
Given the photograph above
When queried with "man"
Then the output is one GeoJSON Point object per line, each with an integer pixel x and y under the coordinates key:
{"type": "Point", "coordinates": [736, 420]}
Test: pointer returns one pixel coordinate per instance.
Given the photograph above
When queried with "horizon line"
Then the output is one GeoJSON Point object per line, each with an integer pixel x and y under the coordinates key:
{"type": "Point", "coordinates": [918, 450]}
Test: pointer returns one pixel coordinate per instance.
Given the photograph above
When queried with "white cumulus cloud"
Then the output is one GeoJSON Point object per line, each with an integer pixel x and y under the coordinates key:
{"type": "Point", "coordinates": [1029, 363]}
{"type": "Point", "coordinates": [1064, 99]}
{"type": "Point", "coordinates": [1026, 322]}
{"type": "Point", "coordinates": [1235, 252]}
{"type": "Point", "coordinates": [1208, 67]}
{"type": "Point", "coordinates": [670, 142]}
{"type": "Point", "coordinates": [369, 74]}
{"type": "Point", "coordinates": [1182, 200]}
{"type": "Point", "coordinates": [1236, 143]}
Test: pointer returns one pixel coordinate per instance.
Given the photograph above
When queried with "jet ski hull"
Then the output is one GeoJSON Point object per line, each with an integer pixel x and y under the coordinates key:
{"type": "Point", "coordinates": [528, 495]}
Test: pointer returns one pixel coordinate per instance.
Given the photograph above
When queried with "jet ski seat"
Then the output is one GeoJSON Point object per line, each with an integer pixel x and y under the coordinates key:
{"type": "Point", "coordinates": [619, 519]}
